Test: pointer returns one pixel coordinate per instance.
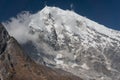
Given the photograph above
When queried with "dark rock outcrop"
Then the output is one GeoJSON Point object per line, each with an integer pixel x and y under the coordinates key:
{"type": "Point", "coordinates": [3, 38]}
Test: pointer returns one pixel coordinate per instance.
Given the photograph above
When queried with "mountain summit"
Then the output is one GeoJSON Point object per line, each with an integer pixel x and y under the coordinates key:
{"type": "Point", "coordinates": [63, 39]}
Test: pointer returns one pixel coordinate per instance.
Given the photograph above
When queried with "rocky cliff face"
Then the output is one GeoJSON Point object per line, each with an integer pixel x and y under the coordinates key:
{"type": "Point", "coordinates": [16, 65]}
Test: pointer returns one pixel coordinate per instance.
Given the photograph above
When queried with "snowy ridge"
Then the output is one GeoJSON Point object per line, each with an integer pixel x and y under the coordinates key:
{"type": "Point", "coordinates": [74, 24]}
{"type": "Point", "coordinates": [69, 17]}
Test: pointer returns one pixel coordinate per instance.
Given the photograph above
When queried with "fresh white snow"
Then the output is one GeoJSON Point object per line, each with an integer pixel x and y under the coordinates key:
{"type": "Point", "coordinates": [85, 66]}
{"type": "Point", "coordinates": [72, 23]}
{"type": "Point", "coordinates": [68, 18]}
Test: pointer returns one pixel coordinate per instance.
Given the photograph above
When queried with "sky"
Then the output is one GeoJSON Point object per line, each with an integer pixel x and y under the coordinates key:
{"type": "Point", "coordinates": [106, 12]}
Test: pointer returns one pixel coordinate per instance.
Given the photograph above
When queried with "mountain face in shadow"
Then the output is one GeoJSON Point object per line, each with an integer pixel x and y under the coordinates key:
{"type": "Point", "coordinates": [15, 64]}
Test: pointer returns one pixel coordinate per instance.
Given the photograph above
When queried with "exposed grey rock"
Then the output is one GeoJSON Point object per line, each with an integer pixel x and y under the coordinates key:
{"type": "Point", "coordinates": [3, 38]}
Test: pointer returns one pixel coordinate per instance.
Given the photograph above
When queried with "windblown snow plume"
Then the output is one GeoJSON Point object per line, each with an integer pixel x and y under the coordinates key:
{"type": "Point", "coordinates": [18, 27]}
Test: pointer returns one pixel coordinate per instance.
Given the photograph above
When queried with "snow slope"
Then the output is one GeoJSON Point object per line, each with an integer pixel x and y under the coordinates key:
{"type": "Point", "coordinates": [52, 17]}
{"type": "Point", "coordinates": [69, 19]}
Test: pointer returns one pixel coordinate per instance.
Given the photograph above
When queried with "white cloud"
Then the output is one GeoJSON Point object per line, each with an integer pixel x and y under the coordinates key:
{"type": "Point", "coordinates": [18, 27]}
{"type": "Point", "coordinates": [71, 6]}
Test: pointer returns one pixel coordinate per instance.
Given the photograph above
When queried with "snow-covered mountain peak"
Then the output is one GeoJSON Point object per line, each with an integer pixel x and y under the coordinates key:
{"type": "Point", "coordinates": [69, 18]}
{"type": "Point", "coordinates": [51, 19]}
{"type": "Point", "coordinates": [66, 40]}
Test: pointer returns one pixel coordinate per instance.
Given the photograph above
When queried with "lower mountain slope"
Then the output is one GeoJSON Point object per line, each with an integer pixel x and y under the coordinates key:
{"type": "Point", "coordinates": [16, 65]}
